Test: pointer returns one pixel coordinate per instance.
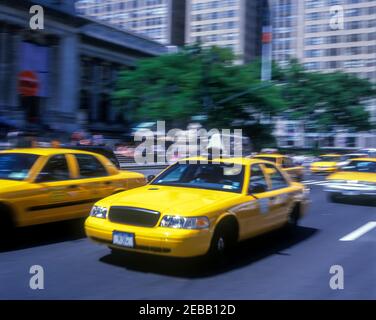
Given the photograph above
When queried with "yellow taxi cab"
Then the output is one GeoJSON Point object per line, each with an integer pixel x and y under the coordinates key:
{"type": "Point", "coordinates": [327, 163]}
{"type": "Point", "coordinates": [355, 180]}
{"type": "Point", "coordinates": [199, 206]}
{"type": "Point", "coordinates": [46, 185]}
{"type": "Point", "coordinates": [286, 163]}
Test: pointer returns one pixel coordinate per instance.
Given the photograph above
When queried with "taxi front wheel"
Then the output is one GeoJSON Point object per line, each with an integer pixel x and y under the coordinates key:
{"type": "Point", "coordinates": [224, 239]}
{"type": "Point", "coordinates": [333, 198]}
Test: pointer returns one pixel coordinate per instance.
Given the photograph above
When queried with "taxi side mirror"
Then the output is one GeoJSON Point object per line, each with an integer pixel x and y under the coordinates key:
{"type": "Point", "coordinates": [43, 177]}
{"type": "Point", "coordinates": [151, 177]}
{"type": "Point", "coordinates": [258, 188]}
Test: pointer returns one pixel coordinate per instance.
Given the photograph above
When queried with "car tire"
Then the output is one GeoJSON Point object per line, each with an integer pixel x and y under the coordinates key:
{"type": "Point", "coordinates": [333, 198]}
{"type": "Point", "coordinates": [6, 226]}
{"type": "Point", "coordinates": [293, 220]}
{"type": "Point", "coordinates": [224, 239]}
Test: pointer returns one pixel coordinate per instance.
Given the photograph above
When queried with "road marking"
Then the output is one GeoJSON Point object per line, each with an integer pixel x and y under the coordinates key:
{"type": "Point", "coordinates": [359, 232]}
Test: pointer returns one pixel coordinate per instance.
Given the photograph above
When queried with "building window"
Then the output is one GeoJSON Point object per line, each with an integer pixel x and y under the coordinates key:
{"type": "Point", "coordinates": [351, 142]}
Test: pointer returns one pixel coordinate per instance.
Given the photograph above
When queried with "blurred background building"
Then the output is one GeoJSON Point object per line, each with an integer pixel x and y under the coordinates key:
{"type": "Point", "coordinates": [161, 20]}
{"type": "Point", "coordinates": [236, 24]}
{"type": "Point", "coordinates": [304, 30]}
{"type": "Point", "coordinates": [72, 64]}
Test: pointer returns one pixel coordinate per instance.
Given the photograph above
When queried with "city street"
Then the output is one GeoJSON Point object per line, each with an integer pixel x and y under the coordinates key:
{"type": "Point", "coordinates": [275, 266]}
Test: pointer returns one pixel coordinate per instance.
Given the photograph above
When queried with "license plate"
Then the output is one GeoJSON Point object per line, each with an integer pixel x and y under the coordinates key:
{"type": "Point", "coordinates": [123, 239]}
{"type": "Point", "coordinates": [351, 193]}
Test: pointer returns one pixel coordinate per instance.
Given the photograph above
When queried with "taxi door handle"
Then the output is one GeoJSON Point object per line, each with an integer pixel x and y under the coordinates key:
{"type": "Point", "coordinates": [73, 186]}
{"type": "Point", "coordinates": [107, 183]}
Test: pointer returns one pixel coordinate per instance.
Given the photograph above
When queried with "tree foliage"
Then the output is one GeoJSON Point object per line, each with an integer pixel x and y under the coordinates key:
{"type": "Point", "coordinates": [325, 99]}
{"type": "Point", "coordinates": [206, 81]}
{"type": "Point", "coordinates": [177, 86]}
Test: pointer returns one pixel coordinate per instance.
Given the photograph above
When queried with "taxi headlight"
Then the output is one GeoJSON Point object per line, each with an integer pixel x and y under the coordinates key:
{"type": "Point", "coordinates": [178, 222]}
{"type": "Point", "coordinates": [99, 212]}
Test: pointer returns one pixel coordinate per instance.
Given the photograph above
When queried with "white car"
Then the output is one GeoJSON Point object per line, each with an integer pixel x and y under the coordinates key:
{"type": "Point", "coordinates": [371, 152]}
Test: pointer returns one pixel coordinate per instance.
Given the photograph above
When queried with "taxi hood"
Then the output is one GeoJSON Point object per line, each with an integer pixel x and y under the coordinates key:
{"type": "Point", "coordinates": [171, 200]}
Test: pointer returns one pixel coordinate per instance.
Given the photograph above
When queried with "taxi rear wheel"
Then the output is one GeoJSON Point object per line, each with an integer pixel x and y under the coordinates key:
{"type": "Point", "coordinates": [293, 219]}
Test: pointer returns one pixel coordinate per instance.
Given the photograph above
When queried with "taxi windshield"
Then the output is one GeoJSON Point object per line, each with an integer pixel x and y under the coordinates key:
{"type": "Point", "coordinates": [360, 166]}
{"type": "Point", "coordinates": [16, 166]}
{"type": "Point", "coordinates": [212, 176]}
{"type": "Point", "coordinates": [329, 158]}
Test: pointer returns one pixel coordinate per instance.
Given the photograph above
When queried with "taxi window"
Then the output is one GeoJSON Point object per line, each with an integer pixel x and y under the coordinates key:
{"type": "Point", "coordinates": [211, 176]}
{"type": "Point", "coordinates": [257, 180]}
{"type": "Point", "coordinates": [278, 181]}
{"type": "Point", "coordinates": [16, 166]}
{"type": "Point", "coordinates": [329, 158]}
{"type": "Point", "coordinates": [287, 163]}
{"type": "Point", "coordinates": [360, 166]}
{"type": "Point", "coordinates": [90, 166]}
{"type": "Point", "coordinates": [56, 169]}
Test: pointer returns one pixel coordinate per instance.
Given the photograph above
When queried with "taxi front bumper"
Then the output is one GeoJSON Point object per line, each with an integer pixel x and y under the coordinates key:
{"type": "Point", "coordinates": [156, 240]}
{"type": "Point", "coordinates": [345, 189]}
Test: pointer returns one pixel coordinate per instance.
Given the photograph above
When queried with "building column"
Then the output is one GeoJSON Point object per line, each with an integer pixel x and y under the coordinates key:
{"type": "Point", "coordinates": [14, 70]}
{"type": "Point", "coordinates": [96, 89]}
{"type": "Point", "coordinates": [3, 65]}
{"type": "Point", "coordinates": [68, 83]}
{"type": "Point", "coordinates": [112, 107]}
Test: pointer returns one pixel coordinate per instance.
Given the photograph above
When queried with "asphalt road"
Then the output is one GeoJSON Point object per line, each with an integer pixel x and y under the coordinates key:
{"type": "Point", "coordinates": [275, 266]}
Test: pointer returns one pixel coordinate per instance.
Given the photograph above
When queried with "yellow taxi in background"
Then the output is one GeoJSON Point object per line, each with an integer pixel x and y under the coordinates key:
{"type": "Point", "coordinates": [354, 181]}
{"type": "Point", "coordinates": [327, 163]}
{"type": "Point", "coordinates": [199, 206]}
{"type": "Point", "coordinates": [46, 185]}
{"type": "Point", "coordinates": [286, 163]}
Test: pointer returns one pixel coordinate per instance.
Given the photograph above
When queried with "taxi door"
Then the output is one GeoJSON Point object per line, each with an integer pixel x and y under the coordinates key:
{"type": "Point", "coordinates": [94, 178]}
{"type": "Point", "coordinates": [56, 196]}
{"type": "Point", "coordinates": [280, 195]}
{"type": "Point", "coordinates": [253, 213]}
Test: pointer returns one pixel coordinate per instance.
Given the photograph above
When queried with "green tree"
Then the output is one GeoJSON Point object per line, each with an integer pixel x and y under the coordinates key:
{"type": "Point", "coordinates": [325, 99]}
{"type": "Point", "coordinates": [195, 81]}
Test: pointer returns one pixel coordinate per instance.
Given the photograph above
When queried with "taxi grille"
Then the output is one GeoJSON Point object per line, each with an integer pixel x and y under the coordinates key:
{"type": "Point", "coordinates": [134, 216]}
